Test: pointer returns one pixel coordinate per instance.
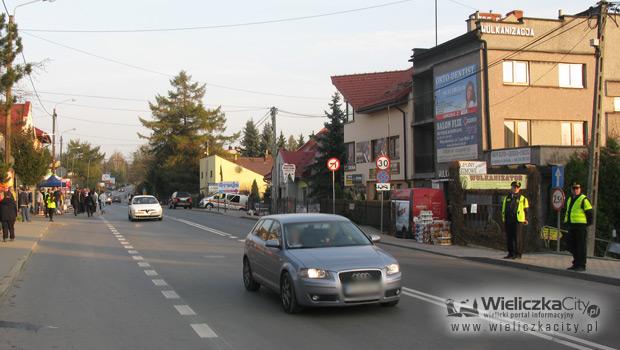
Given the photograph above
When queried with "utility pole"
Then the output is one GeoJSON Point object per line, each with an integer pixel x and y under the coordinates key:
{"type": "Point", "coordinates": [54, 141]}
{"type": "Point", "coordinates": [436, 40]}
{"type": "Point", "coordinates": [275, 172]}
{"type": "Point", "coordinates": [595, 140]}
{"type": "Point", "coordinates": [8, 98]}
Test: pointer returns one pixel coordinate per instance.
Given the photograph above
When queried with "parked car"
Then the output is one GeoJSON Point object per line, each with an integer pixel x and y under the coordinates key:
{"type": "Point", "coordinates": [180, 199]}
{"type": "Point", "coordinates": [319, 260]}
{"type": "Point", "coordinates": [225, 200]}
{"type": "Point", "coordinates": [145, 207]}
{"type": "Point", "coordinates": [108, 199]}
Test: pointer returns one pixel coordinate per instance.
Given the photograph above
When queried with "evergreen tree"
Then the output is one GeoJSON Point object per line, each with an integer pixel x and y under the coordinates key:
{"type": "Point", "coordinates": [31, 162]}
{"type": "Point", "coordinates": [300, 140]}
{"type": "Point", "coordinates": [251, 140]}
{"type": "Point", "coordinates": [281, 141]}
{"type": "Point", "coordinates": [330, 144]}
{"type": "Point", "coordinates": [291, 144]}
{"type": "Point", "coordinates": [182, 130]}
{"type": "Point", "coordinates": [266, 138]}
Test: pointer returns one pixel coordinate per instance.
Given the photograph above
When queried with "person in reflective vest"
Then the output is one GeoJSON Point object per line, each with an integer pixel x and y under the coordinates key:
{"type": "Point", "coordinates": [578, 216]}
{"type": "Point", "coordinates": [514, 216]}
{"type": "Point", "coordinates": [51, 206]}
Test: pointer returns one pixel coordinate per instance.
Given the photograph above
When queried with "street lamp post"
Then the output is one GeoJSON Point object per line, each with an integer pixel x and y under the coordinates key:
{"type": "Point", "coordinates": [54, 115]}
{"type": "Point", "coordinates": [60, 154]}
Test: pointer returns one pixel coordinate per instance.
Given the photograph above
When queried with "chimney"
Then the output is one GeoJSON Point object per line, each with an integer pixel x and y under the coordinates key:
{"type": "Point", "coordinates": [560, 14]}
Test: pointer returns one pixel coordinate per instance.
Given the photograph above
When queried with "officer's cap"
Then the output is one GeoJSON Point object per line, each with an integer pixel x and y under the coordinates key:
{"type": "Point", "coordinates": [576, 185]}
{"type": "Point", "coordinates": [515, 184]}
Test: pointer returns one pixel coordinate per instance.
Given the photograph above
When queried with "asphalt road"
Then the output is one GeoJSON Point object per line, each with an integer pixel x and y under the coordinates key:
{"type": "Point", "coordinates": [115, 284]}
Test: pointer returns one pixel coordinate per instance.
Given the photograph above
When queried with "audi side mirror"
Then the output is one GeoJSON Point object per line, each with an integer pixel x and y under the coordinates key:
{"type": "Point", "coordinates": [375, 238]}
{"type": "Point", "coordinates": [273, 243]}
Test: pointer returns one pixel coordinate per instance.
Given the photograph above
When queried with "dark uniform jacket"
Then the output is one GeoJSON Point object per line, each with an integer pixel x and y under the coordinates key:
{"type": "Point", "coordinates": [8, 209]}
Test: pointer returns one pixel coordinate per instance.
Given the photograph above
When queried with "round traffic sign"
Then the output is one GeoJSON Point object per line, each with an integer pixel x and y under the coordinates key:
{"type": "Point", "coordinates": [333, 164]}
{"type": "Point", "coordinates": [557, 199]}
{"type": "Point", "coordinates": [383, 163]}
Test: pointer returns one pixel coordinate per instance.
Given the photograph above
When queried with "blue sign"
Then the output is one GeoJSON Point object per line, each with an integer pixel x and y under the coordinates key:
{"type": "Point", "coordinates": [383, 177]}
{"type": "Point", "coordinates": [557, 176]}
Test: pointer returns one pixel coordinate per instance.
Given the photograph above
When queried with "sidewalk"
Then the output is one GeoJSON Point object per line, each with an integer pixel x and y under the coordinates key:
{"type": "Point", "coordinates": [598, 270]}
{"type": "Point", "coordinates": [13, 255]}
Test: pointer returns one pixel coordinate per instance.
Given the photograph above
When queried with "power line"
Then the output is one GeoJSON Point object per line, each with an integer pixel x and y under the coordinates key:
{"type": "Point", "coordinates": [462, 4]}
{"type": "Point", "coordinates": [148, 70]}
{"type": "Point", "coordinates": [295, 114]}
{"type": "Point", "coordinates": [220, 26]}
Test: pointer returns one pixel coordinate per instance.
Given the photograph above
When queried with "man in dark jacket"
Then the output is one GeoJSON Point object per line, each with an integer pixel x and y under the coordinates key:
{"type": "Point", "coordinates": [23, 200]}
{"type": "Point", "coordinates": [8, 215]}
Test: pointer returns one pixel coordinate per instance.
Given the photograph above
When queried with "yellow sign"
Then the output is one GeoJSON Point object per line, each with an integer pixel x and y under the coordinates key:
{"type": "Point", "coordinates": [492, 181]}
{"type": "Point", "coordinates": [549, 233]}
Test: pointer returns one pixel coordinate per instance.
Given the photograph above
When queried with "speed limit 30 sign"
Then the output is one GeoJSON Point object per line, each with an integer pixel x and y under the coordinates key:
{"type": "Point", "coordinates": [383, 163]}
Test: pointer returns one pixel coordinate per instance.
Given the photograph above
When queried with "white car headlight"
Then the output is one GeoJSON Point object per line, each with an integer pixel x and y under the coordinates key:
{"type": "Point", "coordinates": [392, 269]}
{"type": "Point", "coordinates": [314, 273]}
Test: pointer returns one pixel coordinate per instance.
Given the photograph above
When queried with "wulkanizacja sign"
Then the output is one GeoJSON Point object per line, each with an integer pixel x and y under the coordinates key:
{"type": "Point", "coordinates": [492, 181]}
{"type": "Point", "coordinates": [506, 30]}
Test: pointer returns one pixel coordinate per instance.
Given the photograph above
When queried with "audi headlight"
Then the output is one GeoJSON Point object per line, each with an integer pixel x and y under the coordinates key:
{"type": "Point", "coordinates": [392, 269]}
{"type": "Point", "coordinates": [314, 273]}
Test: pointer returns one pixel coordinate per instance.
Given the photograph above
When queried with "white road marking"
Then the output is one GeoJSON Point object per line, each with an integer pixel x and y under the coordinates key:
{"type": "Point", "coordinates": [159, 282]}
{"type": "Point", "coordinates": [170, 294]}
{"type": "Point", "coordinates": [213, 256]}
{"type": "Point", "coordinates": [203, 330]}
{"type": "Point", "coordinates": [185, 310]}
{"type": "Point", "coordinates": [137, 257]}
{"type": "Point", "coordinates": [241, 240]}
{"type": "Point", "coordinates": [144, 264]}
{"type": "Point", "coordinates": [204, 228]}
{"type": "Point", "coordinates": [133, 252]}
{"type": "Point", "coordinates": [127, 246]}
{"type": "Point", "coordinates": [233, 237]}
{"type": "Point", "coordinates": [556, 337]}
{"type": "Point", "coordinates": [150, 272]}
{"type": "Point", "coordinates": [120, 236]}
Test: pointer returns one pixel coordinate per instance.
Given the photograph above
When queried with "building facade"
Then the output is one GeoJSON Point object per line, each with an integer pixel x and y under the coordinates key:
{"type": "Point", "coordinates": [244, 170]}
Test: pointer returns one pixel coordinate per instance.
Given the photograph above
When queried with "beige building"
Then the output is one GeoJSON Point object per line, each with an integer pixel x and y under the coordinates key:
{"type": "Point", "coordinates": [378, 108]}
{"type": "Point", "coordinates": [243, 170]}
{"type": "Point", "coordinates": [511, 90]}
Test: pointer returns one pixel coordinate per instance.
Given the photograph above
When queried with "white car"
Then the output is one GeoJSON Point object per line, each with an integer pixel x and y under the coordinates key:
{"type": "Point", "coordinates": [145, 207]}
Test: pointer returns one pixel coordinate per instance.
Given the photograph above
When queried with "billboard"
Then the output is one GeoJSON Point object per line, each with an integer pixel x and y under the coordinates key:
{"type": "Point", "coordinates": [362, 152]}
{"type": "Point", "coordinates": [457, 117]}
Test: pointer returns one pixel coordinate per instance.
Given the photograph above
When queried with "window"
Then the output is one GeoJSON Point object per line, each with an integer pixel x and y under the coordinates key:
{"type": "Point", "coordinates": [393, 147]}
{"type": "Point", "coordinates": [572, 134]}
{"type": "Point", "coordinates": [571, 75]}
{"type": "Point", "coordinates": [350, 161]}
{"type": "Point", "coordinates": [515, 72]}
{"type": "Point", "coordinates": [210, 174]}
{"type": "Point", "coordinates": [262, 229]}
{"type": "Point", "coordinates": [378, 148]}
{"type": "Point", "coordinates": [617, 104]}
{"type": "Point", "coordinates": [274, 231]}
{"type": "Point", "coordinates": [235, 199]}
{"type": "Point", "coordinates": [516, 133]}
{"type": "Point", "coordinates": [202, 175]}
{"type": "Point", "coordinates": [349, 113]}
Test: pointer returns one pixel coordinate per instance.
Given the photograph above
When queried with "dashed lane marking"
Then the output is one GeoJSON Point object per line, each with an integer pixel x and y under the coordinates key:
{"type": "Point", "coordinates": [185, 310]}
{"type": "Point", "coordinates": [203, 330]}
{"type": "Point", "coordinates": [150, 272]}
{"type": "Point", "coordinates": [170, 294]}
{"type": "Point", "coordinates": [137, 257]}
{"type": "Point", "coordinates": [133, 252]}
{"type": "Point", "coordinates": [127, 246]}
{"type": "Point", "coordinates": [160, 282]}
{"type": "Point", "coordinates": [144, 264]}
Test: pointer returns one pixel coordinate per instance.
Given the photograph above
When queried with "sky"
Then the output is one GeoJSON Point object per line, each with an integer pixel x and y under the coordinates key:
{"type": "Point", "coordinates": [287, 64]}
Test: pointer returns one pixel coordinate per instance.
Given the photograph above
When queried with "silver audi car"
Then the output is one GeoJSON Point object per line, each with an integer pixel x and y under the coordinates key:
{"type": "Point", "coordinates": [319, 260]}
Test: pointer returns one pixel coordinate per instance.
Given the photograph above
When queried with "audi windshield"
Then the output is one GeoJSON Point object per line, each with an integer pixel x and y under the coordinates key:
{"type": "Point", "coordinates": [324, 235]}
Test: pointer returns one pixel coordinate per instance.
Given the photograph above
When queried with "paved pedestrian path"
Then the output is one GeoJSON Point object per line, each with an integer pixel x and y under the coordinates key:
{"type": "Point", "coordinates": [598, 269]}
{"type": "Point", "coordinates": [13, 255]}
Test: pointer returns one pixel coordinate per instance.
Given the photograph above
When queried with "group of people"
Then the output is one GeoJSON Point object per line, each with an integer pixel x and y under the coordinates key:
{"type": "Point", "coordinates": [578, 217]}
{"type": "Point", "coordinates": [86, 201]}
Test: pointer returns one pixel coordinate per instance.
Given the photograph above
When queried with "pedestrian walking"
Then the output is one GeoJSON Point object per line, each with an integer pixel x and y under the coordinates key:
{"type": "Point", "coordinates": [514, 216]}
{"type": "Point", "coordinates": [51, 206]}
{"type": "Point", "coordinates": [578, 216]}
{"type": "Point", "coordinates": [102, 199]}
{"type": "Point", "coordinates": [39, 206]}
{"type": "Point", "coordinates": [95, 201]}
{"type": "Point", "coordinates": [46, 197]}
{"type": "Point", "coordinates": [75, 201]}
{"type": "Point", "coordinates": [58, 200]}
{"type": "Point", "coordinates": [89, 203]}
{"type": "Point", "coordinates": [8, 215]}
{"type": "Point", "coordinates": [23, 200]}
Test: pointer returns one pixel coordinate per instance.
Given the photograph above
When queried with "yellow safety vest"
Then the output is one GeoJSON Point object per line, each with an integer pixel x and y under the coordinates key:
{"type": "Point", "coordinates": [51, 203]}
{"type": "Point", "coordinates": [523, 204]}
{"type": "Point", "coordinates": [578, 210]}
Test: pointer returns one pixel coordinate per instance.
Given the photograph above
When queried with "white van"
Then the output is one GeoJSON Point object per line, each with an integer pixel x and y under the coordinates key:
{"type": "Point", "coordinates": [225, 200]}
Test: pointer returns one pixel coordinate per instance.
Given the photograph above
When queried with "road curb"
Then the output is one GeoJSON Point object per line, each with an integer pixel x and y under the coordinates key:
{"type": "Point", "coordinates": [510, 263]}
{"type": "Point", "coordinates": [9, 280]}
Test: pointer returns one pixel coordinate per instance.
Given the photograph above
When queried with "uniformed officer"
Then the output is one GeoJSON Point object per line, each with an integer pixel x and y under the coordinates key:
{"type": "Point", "coordinates": [578, 216]}
{"type": "Point", "coordinates": [514, 216]}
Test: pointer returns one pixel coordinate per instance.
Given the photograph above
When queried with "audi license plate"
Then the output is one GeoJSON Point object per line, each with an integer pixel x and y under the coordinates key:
{"type": "Point", "coordinates": [362, 288]}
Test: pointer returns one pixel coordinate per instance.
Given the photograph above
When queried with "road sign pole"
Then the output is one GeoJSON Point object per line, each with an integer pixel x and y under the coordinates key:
{"type": "Point", "coordinates": [333, 192]}
{"type": "Point", "coordinates": [381, 225]}
{"type": "Point", "coordinates": [559, 231]}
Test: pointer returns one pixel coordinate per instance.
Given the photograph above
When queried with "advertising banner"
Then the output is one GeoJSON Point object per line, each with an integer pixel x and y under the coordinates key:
{"type": "Point", "coordinates": [362, 152]}
{"type": "Point", "coordinates": [456, 114]}
{"type": "Point", "coordinates": [401, 219]}
{"type": "Point", "coordinates": [492, 181]}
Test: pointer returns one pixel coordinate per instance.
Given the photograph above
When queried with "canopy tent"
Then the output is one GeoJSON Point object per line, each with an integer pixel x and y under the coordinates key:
{"type": "Point", "coordinates": [54, 181]}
